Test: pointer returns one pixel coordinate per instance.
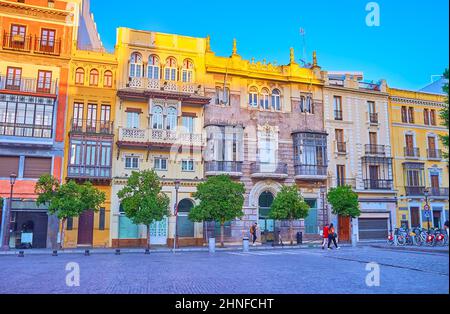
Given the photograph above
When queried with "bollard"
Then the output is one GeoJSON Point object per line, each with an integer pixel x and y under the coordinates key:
{"type": "Point", "coordinates": [212, 245]}
{"type": "Point", "coordinates": [147, 251]}
{"type": "Point", "coordinates": [117, 251]}
{"type": "Point", "coordinates": [87, 253]}
{"type": "Point", "coordinates": [245, 244]}
{"type": "Point", "coordinates": [21, 254]}
{"type": "Point", "coordinates": [55, 253]}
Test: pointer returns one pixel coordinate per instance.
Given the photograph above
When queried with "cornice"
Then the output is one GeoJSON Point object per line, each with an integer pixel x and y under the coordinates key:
{"type": "Point", "coordinates": [405, 100]}
{"type": "Point", "coordinates": [33, 10]}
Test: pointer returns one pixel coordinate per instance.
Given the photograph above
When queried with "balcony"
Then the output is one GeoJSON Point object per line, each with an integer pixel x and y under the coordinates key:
{"type": "Point", "coordinates": [84, 172]}
{"type": "Point", "coordinates": [338, 115]}
{"type": "Point", "coordinates": [269, 170]}
{"type": "Point", "coordinates": [341, 148]}
{"type": "Point", "coordinates": [86, 126]}
{"type": "Point", "coordinates": [412, 152]}
{"type": "Point", "coordinates": [437, 192]}
{"type": "Point", "coordinates": [372, 184]}
{"type": "Point", "coordinates": [147, 137]}
{"type": "Point", "coordinates": [27, 85]}
{"type": "Point", "coordinates": [375, 150]}
{"type": "Point", "coordinates": [164, 85]}
{"type": "Point", "coordinates": [434, 154]}
{"type": "Point", "coordinates": [232, 168]}
{"type": "Point", "coordinates": [373, 118]}
{"type": "Point", "coordinates": [415, 190]}
{"type": "Point", "coordinates": [345, 182]}
{"type": "Point", "coordinates": [310, 172]}
{"type": "Point", "coordinates": [30, 43]}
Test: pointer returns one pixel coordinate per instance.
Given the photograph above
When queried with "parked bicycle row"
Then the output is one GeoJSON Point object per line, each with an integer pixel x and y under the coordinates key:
{"type": "Point", "coordinates": [418, 237]}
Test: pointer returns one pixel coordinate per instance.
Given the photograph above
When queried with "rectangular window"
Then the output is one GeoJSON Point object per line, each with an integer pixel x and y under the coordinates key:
{"type": "Point", "coordinates": [131, 162]}
{"type": "Point", "coordinates": [188, 124]}
{"type": "Point", "coordinates": [160, 164]}
{"type": "Point", "coordinates": [404, 115]}
{"type": "Point", "coordinates": [44, 83]}
{"type": "Point", "coordinates": [91, 117]}
{"type": "Point", "coordinates": [411, 115]}
{"type": "Point", "coordinates": [69, 223]}
{"type": "Point", "coordinates": [105, 114]}
{"type": "Point", "coordinates": [337, 104]}
{"type": "Point", "coordinates": [433, 117]}
{"type": "Point", "coordinates": [132, 120]}
{"type": "Point", "coordinates": [426, 117]}
{"type": "Point", "coordinates": [340, 175]}
{"type": "Point", "coordinates": [187, 165]}
{"type": "Point", "coordinates": [36, 167]}
{"type": "Point", "coordinates": [18, 33]}
{"type": "Point", "coordinates": [78, 109]}
{"type": "Point", "coordinates": [371, 107]}
{"type": "Point", "coordinates": [9, 165]}
{"type": "Point", "coordinates": [47, 40]}
{"type": "Point", "coordinates": [101, 219]}
{"type": "Point", "coordinates": [13, 78]}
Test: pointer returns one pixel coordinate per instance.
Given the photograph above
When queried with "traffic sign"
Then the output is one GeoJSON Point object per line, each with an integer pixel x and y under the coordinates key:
{"type": "Point", "coordinates": [427, 214]}
{"type": "Point", "coordinates": [426, 207]}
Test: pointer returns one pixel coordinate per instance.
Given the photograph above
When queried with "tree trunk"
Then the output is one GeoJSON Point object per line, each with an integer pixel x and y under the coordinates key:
{"type": "Point", "coordinates": [221, 234]}
{"type": "Point", "coordinates": [148, 237]}
{"type": "Point", "coordinates": [290, 232]}
{"type": "Point", "coordinates": [63, 228]}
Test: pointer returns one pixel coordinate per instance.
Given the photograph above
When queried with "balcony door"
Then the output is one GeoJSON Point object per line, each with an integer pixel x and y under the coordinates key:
{"type": "Point", "coordinates": [86, 228]}
{"type": "Point", "coordinates": [340, 175]}
{"type": "Point", "coordinates": [415, 217]}
{"type": "Point", "coordinates": [409, 139]}
{"type": "Point", "coordinates": [434, 179]}
{"type": "Point", "coordinates": [13, 78]}
{"type": "Point", "coordinates": [44, 83]}
{"type": "Point", "coordinates": [18, 36]}
{"type": "Point", "coordinates": [373, 140]}
{"type": "Point", "coordinates": [105, 117]}
{"type": "Point", "coordinates": [374, 177]}
{"type": "Point", "coordinates": [91, 117]}
{"type": "Point", "coordinates": [47, 40]}
{"type": "Point", "coordinates": [432, 147]}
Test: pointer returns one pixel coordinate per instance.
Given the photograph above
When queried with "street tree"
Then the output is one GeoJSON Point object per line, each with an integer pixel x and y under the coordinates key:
{"type": "Point", "coordinates": [444, 115]}
{"type": "Point", "coordinates": [143, 200]}
{"type": "Point", "coordinates": [344, 201]}
{"type": "Point", "coordinates": [67, 200]}
{"type": "Point", "coordinates": [221, 200]}
{"type": "Point", "coordinates": [289, 205]}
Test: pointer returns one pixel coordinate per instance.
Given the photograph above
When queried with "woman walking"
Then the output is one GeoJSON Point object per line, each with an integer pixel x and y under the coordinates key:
{"type": "Point", "coordinates": [332, 237]}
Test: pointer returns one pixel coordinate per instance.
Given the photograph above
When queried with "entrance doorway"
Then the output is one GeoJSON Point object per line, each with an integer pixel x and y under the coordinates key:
{"type": "Point", "coordinates": [415, 217]}
{"type": "Point", "coordinates": [437, 219]}
{"type": "Point", "coordinates": [86, 228]}
{"type": "Point", "coordinates": [266, 224]}
{"type": "Point", "coordinates": [344, 228]}
{"type": "Point", "coordinates": [185, 227]}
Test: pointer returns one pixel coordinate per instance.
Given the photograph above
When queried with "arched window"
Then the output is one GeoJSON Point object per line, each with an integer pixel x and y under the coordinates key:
{"type": "Point", "coordinates": [171, 118]}
{"type": "Point", "coordinates": [136, 65]}
{"type": "Point", "coordinates": [276, 100]}
{"type": "Point", "coordinates": [107, 79]}
{"type": "Point", "coordinates": [188, 71]}
{"type": "Point", "coordinates": [253, 97]}
{"type": "Point", "coordinates": [93, 77]}
{"type": "Point", "coordinates": [170, 70]}
{"type": "Point", "coordinates": [153, 67]}
{"type": "Point", "coordinates": [264, 100]}
{"type": "Point", "coordinates": [79, 76]}
{"type": "Point", "coordinates": [185, 226]}
{"type": "Point", "coordinates": [157, 118]}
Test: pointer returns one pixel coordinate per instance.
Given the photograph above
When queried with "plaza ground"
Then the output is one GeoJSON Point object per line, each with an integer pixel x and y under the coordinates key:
{"type": "Point", "coordinates": [299, 271]}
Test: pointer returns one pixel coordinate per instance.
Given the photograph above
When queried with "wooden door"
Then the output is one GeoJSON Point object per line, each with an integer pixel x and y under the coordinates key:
{"type": "Point", "coordinates": [415, 217]}
{"type": "Point", "coordinates": [86, 228]}
{"type": "Point", "coordinates": [343, 228]}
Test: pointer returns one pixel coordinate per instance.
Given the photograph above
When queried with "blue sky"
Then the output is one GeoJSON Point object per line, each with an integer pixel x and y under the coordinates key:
{"type": "Point", "coordinates": [409, 46]}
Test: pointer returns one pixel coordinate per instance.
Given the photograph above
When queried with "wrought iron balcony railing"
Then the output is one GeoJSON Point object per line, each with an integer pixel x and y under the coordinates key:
{"type": "Point", "coordinates": [92, 126]}
{"type": "Point", "coordinates": [375, 150]}
{"type": "Point", "coordinates": [223, 166]}
{"type": "Point", "coordinates": [310, 170]}
{"type": "Point", "coordinates": [373, 118]}
{"type": "Point", "coordinates": [372, 184]}
{"type": "Point", "coordinates": [269, 168]}
{"type": "Point", "coordinates": [143, 136]}
{"type": "Point", "coordinates": [89, 172]}
{"type": "Point", "coordinates": [338, 115]}
{"type": "Point", "coordinates": [345, 182]}
{"type": "Point", "coordinates": [415, 190]}
{"type": "Point", "coordinates": [164, 85]}
{"type": "Point", "coordinates": [17, 42]}
{"type": "Point", "coordinates": [28, 85]}
{"type": "Point", "coordinates": [31, 43]}
{"type": "Point", "coordinates": [435, 154]}
{"type": "Point", "coordinates": [341, 147]}
{"type": "Point", "coordinates": [412, 152]}
{"type": "Point", "coordinates": [47, 47]}
{"type": "Point", "coordinates": [439, 191]}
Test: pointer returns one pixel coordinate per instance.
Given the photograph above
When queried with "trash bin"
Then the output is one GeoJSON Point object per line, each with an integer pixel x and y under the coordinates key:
{"type": "Point", "coordinates": [245, 244]}
{"type": "Point", "coordinates": [212, 245]}
{"type": "Point", "coordinates": [299, 237]}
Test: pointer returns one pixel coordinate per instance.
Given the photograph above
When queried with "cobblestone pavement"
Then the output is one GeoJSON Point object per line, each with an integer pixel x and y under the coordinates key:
{"type": "Point", "coordinates": [271, 271]}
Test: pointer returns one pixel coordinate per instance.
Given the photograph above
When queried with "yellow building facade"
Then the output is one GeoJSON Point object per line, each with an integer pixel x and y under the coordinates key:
{"type": "Point", "coordinates": [420, 172]}
{"type": "Point", "coordinates": [89, 139]}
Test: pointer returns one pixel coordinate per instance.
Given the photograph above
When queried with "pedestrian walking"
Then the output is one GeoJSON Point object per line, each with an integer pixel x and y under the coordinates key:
{"type": "Point", "coordinates": [280, 239]}
{"type": "Point", "coordinates": [332, 237]}
{"type": "Point", "coordinates": [446, 227]}
{"type": "Point", "coordinates": [253, 230]}
{"type": "Point", "coordinates": [325, 236]}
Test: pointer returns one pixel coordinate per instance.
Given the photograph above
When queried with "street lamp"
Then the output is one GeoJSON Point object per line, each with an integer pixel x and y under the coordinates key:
{"type": "Point", "coordinates": [175, 238]}
{"type": "Point", "coordinates": [427, 207]}
{"type": "Point", "coordinates": [323, 190]}
{"type": "Point", "coordinates": [7, 226]}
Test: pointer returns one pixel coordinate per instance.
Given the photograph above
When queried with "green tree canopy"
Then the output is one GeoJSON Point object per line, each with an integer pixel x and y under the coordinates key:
{"type": "Point", "coordinates": [67, 200]}
{"type": "Point", "coordinates": [444, 115]}
{"type": "Point", "coordinates": [344, 201]}
{"type": "Point", "coordinates": [142, 199]}
{"type": "Point", "coordinates": [221, 200]}
{"type": "Point", "coordinates": [289, 205]}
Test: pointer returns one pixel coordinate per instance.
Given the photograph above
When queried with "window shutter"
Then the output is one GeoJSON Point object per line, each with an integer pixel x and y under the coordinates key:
{"type": "Point", "coordinates": [8, 165]}
{"type": "Point", "coordinates": [37, 166]}
{"type": "Point", "coordinates": [101, 221]}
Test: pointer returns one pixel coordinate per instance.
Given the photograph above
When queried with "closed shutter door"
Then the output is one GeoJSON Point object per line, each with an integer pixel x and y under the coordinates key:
{"type": "Point", "coordinates": [8, 165]}
{"type": "Point", "coordinates": [373, 228]}
{"type": "Point", "coordinates": [36, 167]}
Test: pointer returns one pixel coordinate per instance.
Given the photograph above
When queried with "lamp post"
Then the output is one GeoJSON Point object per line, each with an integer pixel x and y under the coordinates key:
{"type": "Point", "coordinates": [175, 238]}
{"type": "Point", "coordinates": [7, 225]}
{"type": "Point", "coordinates": [427, 207]}
{"type": "Point", "coordinates": [323, 190]}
